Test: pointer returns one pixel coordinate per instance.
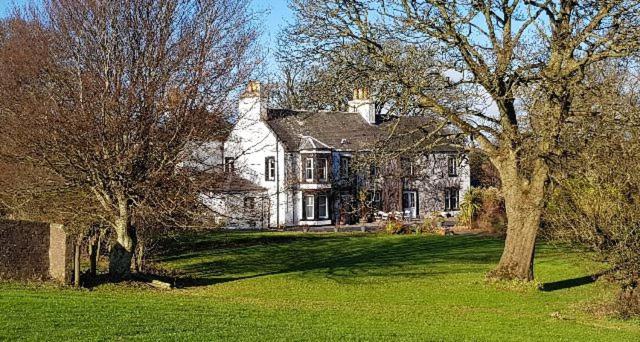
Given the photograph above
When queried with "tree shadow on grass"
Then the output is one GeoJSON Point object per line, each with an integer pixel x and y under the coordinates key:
{"type": "Point", "coordinates": [569, 283]}
{"type": "Point", "coordinates": [207, 259]}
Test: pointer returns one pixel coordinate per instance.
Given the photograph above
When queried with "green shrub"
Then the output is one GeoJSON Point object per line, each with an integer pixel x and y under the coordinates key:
{"type": "Point", "coordinates": [394, 227]}
{"type": "Point", "coordinates": [469, 207]}
{"type": "Point", "coordinates": [432, 223]}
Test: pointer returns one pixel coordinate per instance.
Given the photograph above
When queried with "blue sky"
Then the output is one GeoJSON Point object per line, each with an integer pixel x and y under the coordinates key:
{"type": "Point", "coordinates": [274, 14]}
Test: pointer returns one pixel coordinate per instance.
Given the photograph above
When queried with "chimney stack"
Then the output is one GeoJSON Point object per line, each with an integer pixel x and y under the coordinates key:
{"type": "Point", "coordinates": [252, 106]}
{"type": "Point", "coordinates": [363, 105]}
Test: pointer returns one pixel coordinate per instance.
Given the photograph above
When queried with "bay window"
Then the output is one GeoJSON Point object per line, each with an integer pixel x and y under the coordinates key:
{"type": "Point", "coordinates": [308, 170]}
{"type": "Point", "coordinates": [309, 206]}
{"type": "Point", "coordinates": [323, 174]}
{"type": "Point", "coordinates": [323, 207]}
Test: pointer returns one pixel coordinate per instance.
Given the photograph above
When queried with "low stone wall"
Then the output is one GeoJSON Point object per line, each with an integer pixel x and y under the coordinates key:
{"type": "Point", "coordinates": [35, 251]}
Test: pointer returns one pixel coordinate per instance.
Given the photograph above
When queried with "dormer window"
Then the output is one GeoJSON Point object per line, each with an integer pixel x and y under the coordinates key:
{"type": "Point", "coordinates": [308, 170]}
{"type": "Point", "coordinates": [452, 166]}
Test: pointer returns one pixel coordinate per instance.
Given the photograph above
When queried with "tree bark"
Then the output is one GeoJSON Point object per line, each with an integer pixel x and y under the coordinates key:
{"type": "Point", "coordinates": [524, 198]}
{"type": "Point", "coordinates": [122, 252]}
{"type": "Point", "coordinates": [93, 255]}
{"type": "Point", "coordinates": [76, 263]}
{"type": "Point", "coordinates": [139, 256]}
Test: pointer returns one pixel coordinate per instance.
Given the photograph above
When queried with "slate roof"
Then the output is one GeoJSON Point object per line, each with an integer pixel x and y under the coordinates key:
{"type": "Point", "coordinates": [342, 130]}
{"type": "Point", "coordinates": [338, 130]}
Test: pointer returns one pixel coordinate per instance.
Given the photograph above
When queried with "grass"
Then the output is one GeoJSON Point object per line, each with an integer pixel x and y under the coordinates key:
{"type": "Point", "coordinates": [274, 286]}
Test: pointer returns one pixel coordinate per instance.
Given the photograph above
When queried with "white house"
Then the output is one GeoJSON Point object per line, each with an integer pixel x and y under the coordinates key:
{"type": "Point", "coordinates": [304, 163]}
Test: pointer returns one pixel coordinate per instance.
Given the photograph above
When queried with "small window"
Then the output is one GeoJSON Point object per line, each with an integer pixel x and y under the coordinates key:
{"type": "Point", "coordinates": [309, 206]}
{"type": "Point", "coordinates": [308, 170]}
{"type": "Point", "coordinates": [229, 164]}
{"type": "Point", "coordinates": [322, 169]}
{"type": "Point", "coordinates": [407, 166]}
{"type": "Point", "coordinates": [451, 199]}
{"type": "Point", "coordinates": [323, 207]}
{"type": "Point", "coordinates": [344, 166]}
{"type": "Point", "coordinates": [452, 166]}
{"type": "Point", "coordinates": [249, 203]}
{"type": "Point", "coordinates": [270, 169]}
{"type": "Point", "coordinates": [373, 170]}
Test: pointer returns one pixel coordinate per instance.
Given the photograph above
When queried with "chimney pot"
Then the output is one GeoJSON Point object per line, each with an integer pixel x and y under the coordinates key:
{"type": "Point", "coordinates": [253, 89]}
{"type": "Point", "coordinates": [363, 104]}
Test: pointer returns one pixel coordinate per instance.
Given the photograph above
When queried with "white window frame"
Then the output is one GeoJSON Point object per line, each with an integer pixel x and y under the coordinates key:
{"type": "Point", "coordinates": [452, 161]}
{"type": "Point", "coordinates": [271, 168]}
{"type": "Point", "coordinates": [324, 166]}
{"type": "Point", "coordinates": [309, 202]}
{"type": "Point", "coordinates": [448, 192]}
{"type": "Point", "coordinates": [323, 200]}
{"type": "Point", "coordinates": [308, 168]}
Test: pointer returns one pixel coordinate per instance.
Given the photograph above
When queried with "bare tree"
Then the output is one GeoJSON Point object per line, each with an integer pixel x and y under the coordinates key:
{"type": "Point", "coordinates": [122, 94]}
{"type": "Point", "coordinates": [595, 198]}
{"type": "Point", "coordinates": [494, 53]}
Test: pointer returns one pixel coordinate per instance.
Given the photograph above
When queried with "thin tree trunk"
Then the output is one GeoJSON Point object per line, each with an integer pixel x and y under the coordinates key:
{"type": "Point", "coordinates": [140, 257]}
{"type": "Point", "coordinates": [93, 255]}
{"type": "Point", "coordinates": [523, 201]}
{"type": "Point", "coordinates": [76, 264]}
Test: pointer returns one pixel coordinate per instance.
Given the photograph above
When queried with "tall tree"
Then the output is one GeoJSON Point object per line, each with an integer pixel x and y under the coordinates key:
{"type": "Point", "coordinates": [113, 97]}
{"type": "Point", "coordinates": [494, 52]}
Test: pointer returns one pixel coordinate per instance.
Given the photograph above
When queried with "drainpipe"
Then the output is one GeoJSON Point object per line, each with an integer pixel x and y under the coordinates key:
{"type": "Point", "coordinates": [277, 185]}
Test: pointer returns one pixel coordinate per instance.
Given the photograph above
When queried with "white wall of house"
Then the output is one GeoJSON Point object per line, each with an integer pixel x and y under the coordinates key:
{"type": "Point", "coordinates": [250, 142]}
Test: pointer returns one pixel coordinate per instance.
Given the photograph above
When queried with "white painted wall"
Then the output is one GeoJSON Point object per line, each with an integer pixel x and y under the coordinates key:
{"type": "Point", "coordinates": [250, 142]}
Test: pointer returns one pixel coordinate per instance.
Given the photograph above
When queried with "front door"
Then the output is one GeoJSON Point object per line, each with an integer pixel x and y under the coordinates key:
{"type": "Point", "coordinates": [409, 204]}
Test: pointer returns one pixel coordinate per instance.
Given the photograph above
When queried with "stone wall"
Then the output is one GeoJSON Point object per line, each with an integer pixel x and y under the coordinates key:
{"type": "Point", "coordinates": [35, 251]}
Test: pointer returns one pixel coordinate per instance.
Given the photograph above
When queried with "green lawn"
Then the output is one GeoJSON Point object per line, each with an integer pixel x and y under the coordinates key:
{"type": "Point", "coordinates": [273, 286]}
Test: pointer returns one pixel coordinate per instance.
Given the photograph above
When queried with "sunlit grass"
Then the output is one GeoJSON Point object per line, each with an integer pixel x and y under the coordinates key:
{"type": "Point", "coordinates": [266, 286]}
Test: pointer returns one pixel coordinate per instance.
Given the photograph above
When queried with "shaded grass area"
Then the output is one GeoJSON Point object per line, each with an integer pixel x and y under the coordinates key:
{"type": "Point", "coordinates": [271, 286]}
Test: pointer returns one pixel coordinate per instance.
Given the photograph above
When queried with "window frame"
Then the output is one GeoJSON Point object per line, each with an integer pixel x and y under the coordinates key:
{"type": "Point", "coordinates": [323, 164]}
{"type": "Point", "coordinates": [452, 166]}
{"type": "Point", "coordinates": [270, 169]}
{"type": "Point", "coordinates": [326, 206]}
{"type": "Point", "coordinates": [309, 168]}
{"type": "Point", "coordinates": [249, 203]}
{"type": "Point", "coordinates": [448, 197]}
{"type": "Point", "coordinates": [309, 205]}
{"type": "Point", "coordinates": [345, 166]}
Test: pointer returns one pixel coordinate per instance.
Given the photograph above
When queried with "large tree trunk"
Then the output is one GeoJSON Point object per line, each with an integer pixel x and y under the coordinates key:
{"type": "Point", "coordinates": [524, 198]}
{"type": "Point", "coordinates": [122, 251]}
